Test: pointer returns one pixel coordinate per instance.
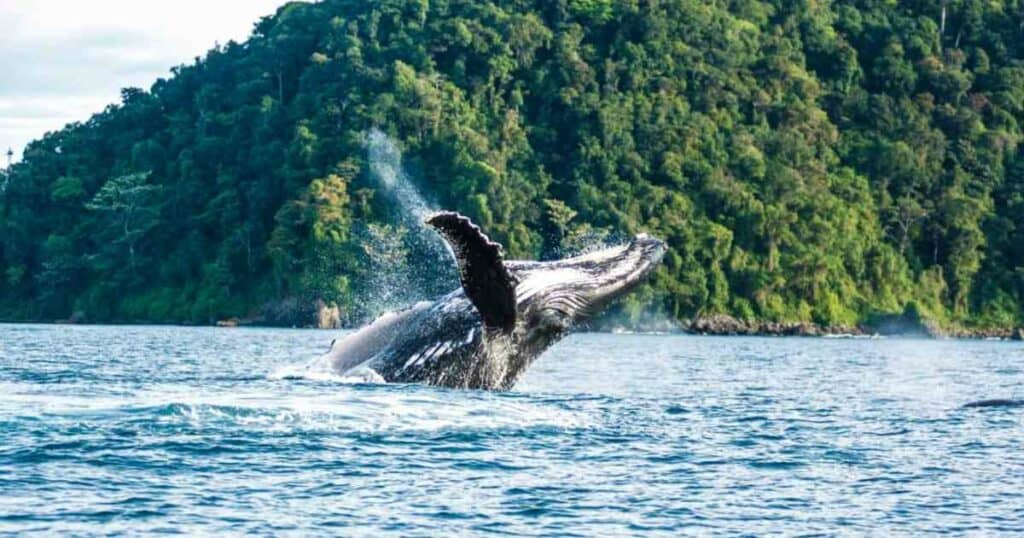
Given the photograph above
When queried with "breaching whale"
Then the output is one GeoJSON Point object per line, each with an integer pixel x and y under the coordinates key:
{"type": "Point", "coordinates": [485, 335]}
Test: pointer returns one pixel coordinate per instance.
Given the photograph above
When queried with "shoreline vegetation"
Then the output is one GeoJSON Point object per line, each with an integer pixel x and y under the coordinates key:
{"type": "Point", "coordinates": [728, 326]}
{"type": "Point", "coordinates": [842, 164]}
{"type": "Point", "coordinates": [711, 325]}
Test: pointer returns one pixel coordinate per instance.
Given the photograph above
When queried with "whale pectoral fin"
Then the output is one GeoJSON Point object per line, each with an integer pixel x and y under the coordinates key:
{"type": "Point", "coordinates": [487, 282]}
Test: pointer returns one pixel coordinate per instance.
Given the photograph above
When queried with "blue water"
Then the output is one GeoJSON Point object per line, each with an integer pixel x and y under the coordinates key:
{"type": "Point", "coordinates": [107, 430]}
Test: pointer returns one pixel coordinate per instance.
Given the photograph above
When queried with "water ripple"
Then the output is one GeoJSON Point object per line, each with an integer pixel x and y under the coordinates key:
{"type": "Point", "coordinates": [111, 430]}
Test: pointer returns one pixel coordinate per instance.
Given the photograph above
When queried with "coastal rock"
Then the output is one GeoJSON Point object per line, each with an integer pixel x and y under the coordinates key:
{"type": "Point", "coordinates": [802, 329]}
{"type": "Point", "coordinates": [842, 330]}
{"type": "Point", "coordinates": [989, 333]}
{"type": "Point", "coordinates": [933, 329]}
{"type": "Point", "coordinates": [327, 316]}
{"type": "Point", "coordinates": [296, 312]}
{"type": "Point", "coordinates": [721, 324]}
{"type": "Point", "coordinates": [1018, 334]}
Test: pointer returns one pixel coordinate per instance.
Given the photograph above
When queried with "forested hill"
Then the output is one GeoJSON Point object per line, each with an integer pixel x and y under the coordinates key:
{"type": "Point", "coordinates": [805, 160]}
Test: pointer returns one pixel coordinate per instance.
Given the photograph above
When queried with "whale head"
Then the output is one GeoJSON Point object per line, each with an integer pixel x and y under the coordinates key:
{"type": "Point", "coordinates": [542, 300]}
{"type": "Point", "coordinates": [561, 293]}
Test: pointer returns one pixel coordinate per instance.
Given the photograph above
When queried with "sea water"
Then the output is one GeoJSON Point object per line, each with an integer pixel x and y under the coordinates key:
{"type": "Point", "coordinates": [144, 430]}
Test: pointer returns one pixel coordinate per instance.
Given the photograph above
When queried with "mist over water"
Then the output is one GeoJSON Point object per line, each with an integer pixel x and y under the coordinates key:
{"type": "Point", "coordinates": [410, 261]}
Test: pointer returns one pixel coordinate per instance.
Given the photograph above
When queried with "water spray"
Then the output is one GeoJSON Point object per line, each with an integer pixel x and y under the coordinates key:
{"type": "Point", "coordinates": [394, 281]}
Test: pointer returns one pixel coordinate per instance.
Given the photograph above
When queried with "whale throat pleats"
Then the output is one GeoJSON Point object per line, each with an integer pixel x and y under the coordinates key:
{"type": "Point", "coordinates": [486, 280]}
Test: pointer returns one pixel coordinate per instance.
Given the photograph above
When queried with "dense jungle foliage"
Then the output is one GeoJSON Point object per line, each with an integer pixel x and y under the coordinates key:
{"type": "Point", "coordinates": [822, 161]}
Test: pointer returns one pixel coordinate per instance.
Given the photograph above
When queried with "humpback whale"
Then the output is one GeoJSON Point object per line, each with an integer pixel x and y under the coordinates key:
{"type": "Point", "coordinates": [485, 334]}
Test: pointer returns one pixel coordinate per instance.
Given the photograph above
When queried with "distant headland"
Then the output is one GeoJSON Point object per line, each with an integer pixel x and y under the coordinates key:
{"type": "Point", "coordinates": [821, 168]}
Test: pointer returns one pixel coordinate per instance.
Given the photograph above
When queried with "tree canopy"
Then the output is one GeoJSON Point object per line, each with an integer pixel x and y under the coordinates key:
{"type": "Point", "coordinates": [819, 161]}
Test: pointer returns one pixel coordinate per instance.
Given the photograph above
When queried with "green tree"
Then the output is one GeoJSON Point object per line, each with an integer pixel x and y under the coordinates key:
{"type": "Point", "coordinates": [132, 206]}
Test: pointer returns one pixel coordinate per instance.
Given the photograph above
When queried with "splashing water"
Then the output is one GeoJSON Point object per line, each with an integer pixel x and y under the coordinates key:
{"type": "Point", "coordinates": [109, 430]}
{"type": "Point", "coordinates": [386, 166]}
{"type": "Point", "coordinates": [395, 250]}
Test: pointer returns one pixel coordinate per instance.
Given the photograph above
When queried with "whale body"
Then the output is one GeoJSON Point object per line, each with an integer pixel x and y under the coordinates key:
{"type": "Point", "coordinates": [485, 334]}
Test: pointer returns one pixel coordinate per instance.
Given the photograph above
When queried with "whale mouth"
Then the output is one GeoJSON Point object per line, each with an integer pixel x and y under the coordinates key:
{"type": "Point", "coordinates": [637, 260]}
{"type": "Point", "coordinates": [653, 251]}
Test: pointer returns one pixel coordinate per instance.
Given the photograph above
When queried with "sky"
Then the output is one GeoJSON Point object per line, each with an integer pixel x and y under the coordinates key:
{"type": "Point", "coordinates": [64, 60]}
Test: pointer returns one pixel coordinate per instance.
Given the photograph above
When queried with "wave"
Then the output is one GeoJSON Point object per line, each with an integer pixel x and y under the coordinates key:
{"type": "Point", "coordinates": [348, 406]}
{"type": "Point", "coordinates": [316, 370]}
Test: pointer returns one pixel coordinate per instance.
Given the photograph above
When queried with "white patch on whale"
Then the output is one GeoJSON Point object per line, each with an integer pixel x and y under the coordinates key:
{"type": "Point", "coordinates": [539, 280]}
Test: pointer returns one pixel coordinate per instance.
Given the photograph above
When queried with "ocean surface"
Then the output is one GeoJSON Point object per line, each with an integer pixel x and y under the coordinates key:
{"type": "Point", "coordinates": [145, 430]}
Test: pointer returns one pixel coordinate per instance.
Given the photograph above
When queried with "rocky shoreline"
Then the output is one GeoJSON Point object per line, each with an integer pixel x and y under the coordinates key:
{"type": "Point", "coordinates": [328, 317]}
{"type": "Point", "coordinates": [724, 325]}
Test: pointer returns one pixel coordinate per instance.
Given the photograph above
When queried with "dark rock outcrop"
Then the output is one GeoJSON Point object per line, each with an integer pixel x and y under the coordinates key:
{"type": "Point", "coordinates": [719, 324]}
{"type": "Point", "coordinates": [722, 324]}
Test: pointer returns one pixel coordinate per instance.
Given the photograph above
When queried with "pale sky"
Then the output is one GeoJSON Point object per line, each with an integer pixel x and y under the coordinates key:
{"type": "Point", "coordinates": [63, 60]}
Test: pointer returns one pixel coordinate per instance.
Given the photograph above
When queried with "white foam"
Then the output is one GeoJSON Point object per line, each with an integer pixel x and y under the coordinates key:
{"type": "Point", "coordinates": [319, 369]}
